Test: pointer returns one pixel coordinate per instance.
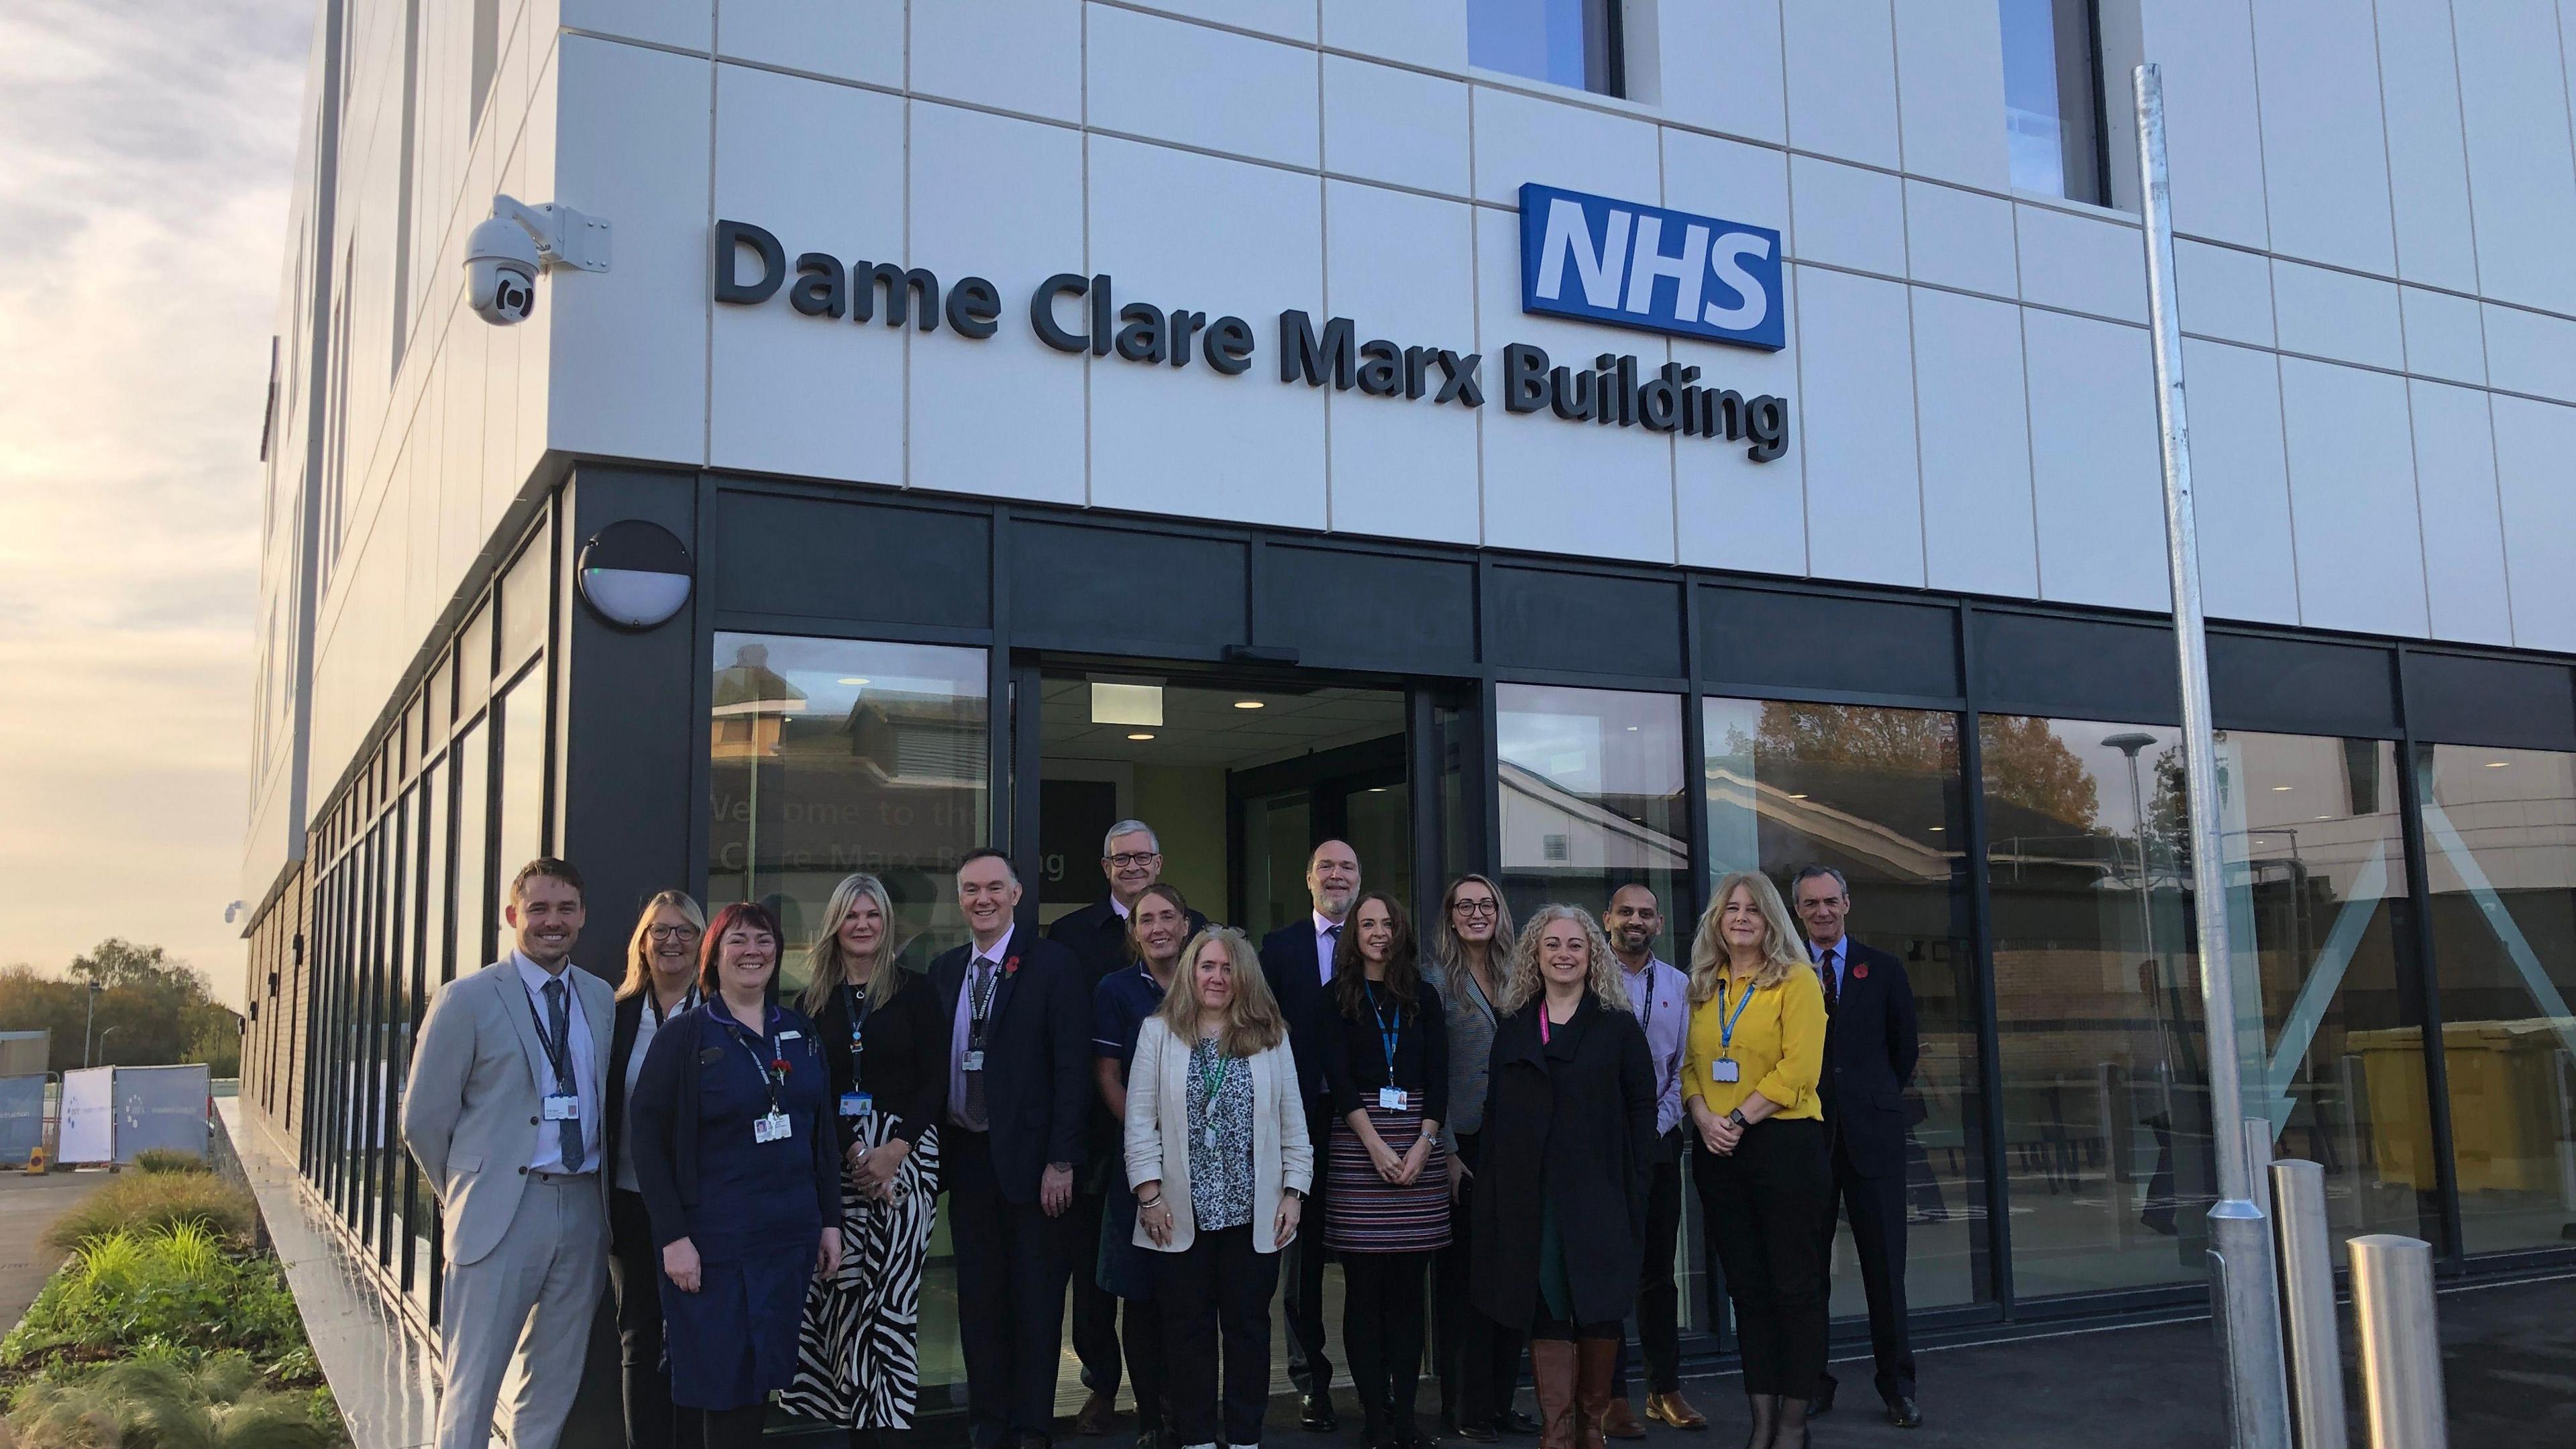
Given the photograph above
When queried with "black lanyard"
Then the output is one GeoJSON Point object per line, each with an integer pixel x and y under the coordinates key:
{"type": "Point", "coordinates": [1646, 1002]}
{"type": "Point", "coordinates": [979, 1002]}
{"type": "Point", "coordinates": [1388, 1032]}
{"type": "Point", "coordinates": [860, 1006]}
{"type": "Point", "coordinates": [558, 1053]}
{"type": "Point", "coordinates": [768, 1066]}
{"type": "Point", "coordinates": [661, 1018]}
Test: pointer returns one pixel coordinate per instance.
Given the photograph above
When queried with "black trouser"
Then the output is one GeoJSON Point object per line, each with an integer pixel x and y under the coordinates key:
{"type": "Point", "coordinates": [734, 1428]}
{"type": "Point", "coordinates": [1659, 1296]}
{"type": "Point", "coordinates": [1382, 1332]}
{"type": "Point", "coordinates": [1479, 1360]}
{"type": "Point", "coordinates": [1095, 1310]}
{"type": "Point", "coordinates": [1877, 1208]}
{"type": "Point", "coordinates": [634, 1278]}
{"type": "Point", "coordinates": [1216, 1293]}
{"type": "Point", "coordinates": [1760, 1206]}
{"type": "Point", "coordinates": [1011, 1266]}
{"type": "Point", "coordinates": [1309, 1367]}
{"type": "Point", "coordinates": [1145, 1357]}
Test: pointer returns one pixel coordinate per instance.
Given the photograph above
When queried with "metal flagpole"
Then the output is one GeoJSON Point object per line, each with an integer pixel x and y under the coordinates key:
{"type": "Point", "coordinates": [2242, 1285]}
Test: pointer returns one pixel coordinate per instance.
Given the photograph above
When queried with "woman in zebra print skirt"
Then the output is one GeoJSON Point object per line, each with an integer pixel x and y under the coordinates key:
{"type": "Point", "coordinates": [858, 1356]}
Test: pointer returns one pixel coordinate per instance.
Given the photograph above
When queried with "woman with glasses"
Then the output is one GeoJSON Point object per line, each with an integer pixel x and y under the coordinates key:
{"type": "Point", "coordinates": [740, 1166]}
{"type": "Point", "coordinates": [1386, 1200]}
{"type": "Point", "coordinates": [858, 1354]}
{"type": "Point", "coordinates": [1478, 1360]}
{"type": "Point", "coordinates": [1749, 1074]}
{"type": "Point", "coordinates": [661, 983]}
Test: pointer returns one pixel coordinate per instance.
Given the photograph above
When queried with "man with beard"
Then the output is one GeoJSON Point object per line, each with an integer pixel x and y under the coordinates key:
{"type": "Point", "coordinates": [1660, 996]}
{"type": "Point", "coordinates": [1298, 959]}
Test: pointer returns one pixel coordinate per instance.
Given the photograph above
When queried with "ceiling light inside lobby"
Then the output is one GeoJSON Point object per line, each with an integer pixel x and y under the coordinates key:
{"type": "Point", "coordinates": [1126, 704]}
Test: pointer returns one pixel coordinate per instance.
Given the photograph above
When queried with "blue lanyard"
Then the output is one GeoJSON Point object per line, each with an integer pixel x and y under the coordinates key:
{"type": "Point", "coordinates": [1388, 1033]}
{"type": "Point", "coordinates": [1726, 1023]}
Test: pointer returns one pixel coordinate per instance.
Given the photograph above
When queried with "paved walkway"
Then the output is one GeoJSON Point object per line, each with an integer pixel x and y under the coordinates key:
{"type": "Point", "coordinates": [29, 1203]}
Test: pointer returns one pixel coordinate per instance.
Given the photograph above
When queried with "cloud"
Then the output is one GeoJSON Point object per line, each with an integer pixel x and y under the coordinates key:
{"type": "Point", "coordinates": [142, 237]}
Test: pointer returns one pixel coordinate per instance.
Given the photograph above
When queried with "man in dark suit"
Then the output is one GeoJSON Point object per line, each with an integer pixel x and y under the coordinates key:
{"type": "Point", "coordinates": [1132, 859]}
{"type": "Point", "coordinates": [1870, 1048]}
{"type": "Point", "coordinates": [1019, 1067]}
{"type": "Point", "coordinates": [1298, 959]}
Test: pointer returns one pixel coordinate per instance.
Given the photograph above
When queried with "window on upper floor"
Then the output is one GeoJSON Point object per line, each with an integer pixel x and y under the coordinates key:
{"type": "Point", "coordinates": [1574, 43]}
{"type": "Point", "coordinates": [2053, 97]}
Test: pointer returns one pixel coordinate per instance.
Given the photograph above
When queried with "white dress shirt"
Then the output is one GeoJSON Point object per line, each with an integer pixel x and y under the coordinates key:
{"type": "Point", "coordinates": [961, 1030]}
{"type": "Point", "coordinates": [585, 1076]}
{"type": "Point", "coordinates": [1327, 933]}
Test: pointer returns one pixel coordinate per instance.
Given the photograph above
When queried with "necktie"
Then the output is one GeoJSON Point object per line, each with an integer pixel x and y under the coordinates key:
{"type": "Point", "coordinates": [1833, 986]}
{"type": "Point", "coordinates": [979, 1008]}
{"type": "Point", "coordinates": [559, 1025]}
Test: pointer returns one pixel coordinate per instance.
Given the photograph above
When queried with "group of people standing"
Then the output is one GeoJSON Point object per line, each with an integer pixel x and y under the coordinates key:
{"type": "Point", "coordinates": [1493, 1123]}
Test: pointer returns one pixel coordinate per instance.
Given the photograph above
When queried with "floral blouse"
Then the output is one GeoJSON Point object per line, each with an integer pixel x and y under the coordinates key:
{"type": "Point", "coordinates": [1220, 1104]}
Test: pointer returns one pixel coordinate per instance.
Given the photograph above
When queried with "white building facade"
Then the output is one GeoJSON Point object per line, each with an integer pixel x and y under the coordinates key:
{"type": "Point", "coordinates": [1898, 618]}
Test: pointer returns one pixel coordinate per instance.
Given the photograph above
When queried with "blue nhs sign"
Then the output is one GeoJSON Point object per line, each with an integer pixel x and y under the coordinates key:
{"type": "Point", "coordinates": [1599, 260]}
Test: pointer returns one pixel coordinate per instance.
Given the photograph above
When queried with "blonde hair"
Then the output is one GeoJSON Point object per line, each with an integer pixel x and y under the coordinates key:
{"type": "Point", "coordinates": [1604, 980]}
{"type": "Point", "coordinates": [639, 958]}
{"type": "Point", "coordinates": [1252, 1021]}
{"type": "Point", "coordinates": [828, 967]}
{"type": "Point", "coordinates": [1781, 953]}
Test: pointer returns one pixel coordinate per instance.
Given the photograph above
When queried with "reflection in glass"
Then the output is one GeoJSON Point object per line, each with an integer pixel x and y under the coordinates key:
{"type": "Point", "coordinates": [1563, 42]}
{"type": "Point", "coordinates": [2500, 857]}
{"type": "Point", "coordinates": [838, 755]}
{"type": "Point", "coordinates": [2316, 882]}
{"type": "Point", "coordinates": [2052, 114]}
{"type": "Point", "coordinates": [521, 825]}
{"type": "Point", "coordinates": [1875, 793]}
{"type": "Point", "coordinates": [472, 766]}
{"type": "Point", "coordinates": [1591, 784]}
{"type": "Point", "coordinates": [2097, 986]}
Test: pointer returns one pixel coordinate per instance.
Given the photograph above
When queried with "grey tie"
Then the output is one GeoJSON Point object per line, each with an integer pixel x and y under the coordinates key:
{"type": "Point", "coordinates": [559, 1026]}
{"type": "Point", "coordinates": [979, 1004]}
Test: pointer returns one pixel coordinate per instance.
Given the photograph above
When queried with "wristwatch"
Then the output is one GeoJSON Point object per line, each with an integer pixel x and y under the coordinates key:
{"type": "Point", "coordinates": [1736, 1116]}
{"type": "Point", "coordinates": [1295, 1193]}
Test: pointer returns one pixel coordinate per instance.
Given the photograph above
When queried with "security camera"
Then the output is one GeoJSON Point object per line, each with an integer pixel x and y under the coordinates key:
{"type": "Point", "coordinates": [505, 255]}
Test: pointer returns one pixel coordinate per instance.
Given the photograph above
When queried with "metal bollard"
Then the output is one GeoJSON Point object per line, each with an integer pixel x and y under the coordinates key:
{"type": "Point", "coordinates": [2303, 1256]}
{"type": "Point", "coordinates": [2401, 1349]}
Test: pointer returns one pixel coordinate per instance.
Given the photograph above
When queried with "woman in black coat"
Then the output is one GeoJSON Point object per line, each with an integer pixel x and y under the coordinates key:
{"type": "Point", "coordinates": [1569, 1134]}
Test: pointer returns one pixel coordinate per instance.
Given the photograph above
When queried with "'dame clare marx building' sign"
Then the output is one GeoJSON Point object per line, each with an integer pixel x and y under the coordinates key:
{"type": "Point", "coordinates": [1585, 258]}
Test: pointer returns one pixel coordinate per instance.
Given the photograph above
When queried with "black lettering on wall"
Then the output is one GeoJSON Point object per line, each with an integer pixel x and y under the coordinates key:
{"type": "Point", "coordinates": [1302, 354]}
{"type": "Point", "coordinates": [731, 238]}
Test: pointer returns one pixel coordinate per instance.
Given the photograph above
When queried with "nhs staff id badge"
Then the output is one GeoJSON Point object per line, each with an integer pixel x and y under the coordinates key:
{"type": "Point", "coordinates": [972, 1061]}
{"type": "Point", "coordinates": [1726, 1069]}
{"type": "Point", "coordinates": [1391, 1098]}
{"type": "Point", "coordinates": [769, 1127]}
{"type": "Point", "coordinates": [563, 1107]}
{"type": "Point", "coordinates": [860, 1105]}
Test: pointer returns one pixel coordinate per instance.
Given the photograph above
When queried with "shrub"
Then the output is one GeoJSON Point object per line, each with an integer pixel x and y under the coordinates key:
{"type": "Point", "coordinates": [168, 1159]}
{"type": "Point", "coordinates": [149, 1402]}
{"type": "Point", "coordinates": [173, 1294]}
{"type": "Point", "coordinates": [144, 1201]}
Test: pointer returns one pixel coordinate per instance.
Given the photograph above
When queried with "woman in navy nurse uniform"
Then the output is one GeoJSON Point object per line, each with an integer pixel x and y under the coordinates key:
{"type": "Point", "coordinates": [739, 1160]}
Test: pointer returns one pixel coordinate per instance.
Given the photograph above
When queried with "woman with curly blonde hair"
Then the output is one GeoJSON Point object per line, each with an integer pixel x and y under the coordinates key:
{"type": "Point", "coordinates": [1569, 1142]}
{"type": "Point", "coordinates": [1756, 1049]}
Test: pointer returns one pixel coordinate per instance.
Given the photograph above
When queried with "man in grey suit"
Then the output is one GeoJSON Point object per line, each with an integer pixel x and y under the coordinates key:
{"type": "Point", "coordinates": [503, 1113]}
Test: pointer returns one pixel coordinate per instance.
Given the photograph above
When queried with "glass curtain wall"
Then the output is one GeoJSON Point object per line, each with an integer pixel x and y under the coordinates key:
{"type": "Point", "coordinates": [2500, 860]}
{"type": "Point", "coordinates": [1592, 799]}
{"type": "Point", "coordinates": [1876, 794]}
{"type": "Point", "coordinates": [2107, 1149]}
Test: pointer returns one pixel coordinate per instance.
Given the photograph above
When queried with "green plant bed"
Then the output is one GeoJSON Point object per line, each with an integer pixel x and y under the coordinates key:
{"type": "Point", "coordinates": [164, 1338]}
{"type": "Point", "coordinates": [144, 1201]}
{"type": "Point", "coordinates": [168, 1159]}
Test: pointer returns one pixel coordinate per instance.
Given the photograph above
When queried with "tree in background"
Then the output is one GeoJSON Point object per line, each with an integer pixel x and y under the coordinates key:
{"type": "Point", "coordinates": [158, 1006]}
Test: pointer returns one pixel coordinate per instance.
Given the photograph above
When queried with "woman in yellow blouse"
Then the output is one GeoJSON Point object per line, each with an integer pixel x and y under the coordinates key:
{"type": "Point", "coordinates": [1757, 1044]}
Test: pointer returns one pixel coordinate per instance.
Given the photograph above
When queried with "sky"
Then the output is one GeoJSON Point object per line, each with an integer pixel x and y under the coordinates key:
{"type": "Point", "coordinates": [146, 148]}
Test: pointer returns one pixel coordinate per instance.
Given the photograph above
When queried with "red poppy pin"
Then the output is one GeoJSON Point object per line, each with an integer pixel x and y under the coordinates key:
{"type": "Point", "coordinates": [1860, 971]}
{"type": "Point", "coordinates": [1010, 966]}
{"type": "Point", "coordinates": [779, 1064]}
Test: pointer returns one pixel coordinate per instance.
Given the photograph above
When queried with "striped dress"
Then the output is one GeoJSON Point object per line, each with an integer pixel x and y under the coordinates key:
{"type": "Point", "coordinates": [858, 1358]}
{"type": "Point", "coordinates": [1363, 1212]}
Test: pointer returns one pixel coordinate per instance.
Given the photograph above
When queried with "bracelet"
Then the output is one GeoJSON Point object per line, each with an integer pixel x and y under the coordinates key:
{"type": "Point", "coordinates": [1157, 1202]}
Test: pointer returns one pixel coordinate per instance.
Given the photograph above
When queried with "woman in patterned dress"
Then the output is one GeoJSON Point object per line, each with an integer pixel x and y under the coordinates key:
{"type": "Point", "coordinates": [1386, 1199]}
{"type": "Point", "coordinates": [858, 1356]}
{"type": "Point", "coordinates": [1217, 1151]}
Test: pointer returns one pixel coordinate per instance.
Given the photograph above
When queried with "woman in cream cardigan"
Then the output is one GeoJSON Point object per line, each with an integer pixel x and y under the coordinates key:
{"type": "Point", "coordinates": [1218, 1153]}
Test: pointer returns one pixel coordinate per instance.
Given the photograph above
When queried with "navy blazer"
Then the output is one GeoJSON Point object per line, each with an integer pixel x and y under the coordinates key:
{"type": "Point", "coordinates": [1296, 975]}
{"type": "Point", "coordinates": [1037, 1056]}
{"type": "Point", "coordinates": [1098, 935]}
{"type": "Point", "coordinates": [1871, 1044]}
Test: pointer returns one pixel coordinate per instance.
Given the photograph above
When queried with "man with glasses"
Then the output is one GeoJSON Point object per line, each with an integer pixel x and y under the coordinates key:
{"type": "Point", "coordinates": [1132, 859]}
{"type": "Point", "coordinates": [1660, 996]}
{"type": "Point", "coordinates": [1298, 959]}
{"type": "Point", "coordinates": [1870, 1049]}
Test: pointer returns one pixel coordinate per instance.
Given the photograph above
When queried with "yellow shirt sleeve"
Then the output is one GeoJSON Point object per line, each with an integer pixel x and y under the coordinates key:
{"type": "Point", "coordinates": [1791, 1082]}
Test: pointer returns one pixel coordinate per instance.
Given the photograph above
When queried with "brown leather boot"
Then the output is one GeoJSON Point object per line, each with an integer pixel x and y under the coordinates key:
{"type": "Point", "coordinates": [1621, 1422]}
{"type": "Point", "coordinates": [1552, 1370]}
{"type": "Point", "coordinates": [1675, 1410]}
{"type": "Point", "coordinates": [1596, 1359]}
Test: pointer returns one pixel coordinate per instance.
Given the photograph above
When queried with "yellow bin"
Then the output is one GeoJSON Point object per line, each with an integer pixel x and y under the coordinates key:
{"type": "Point", "coordinates": [2504, 1103]}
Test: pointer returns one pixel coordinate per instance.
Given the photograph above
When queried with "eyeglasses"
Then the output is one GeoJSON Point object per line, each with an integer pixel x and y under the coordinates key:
{"type": "Point", "coordinates": [670, 933]}
{"type": "Point", "coordinates": [1473, 908]}
{"type": "Point", "coordinates": [1129, 860]}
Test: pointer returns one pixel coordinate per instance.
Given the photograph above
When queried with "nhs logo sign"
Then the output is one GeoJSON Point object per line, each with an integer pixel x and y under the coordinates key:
{"type": "Point", "coordinates": [1599, 260]}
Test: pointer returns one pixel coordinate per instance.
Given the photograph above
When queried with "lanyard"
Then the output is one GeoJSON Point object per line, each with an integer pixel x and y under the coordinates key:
{"type": "Point", "coordinates": [653, 999]}
{"type": "Point", "coordinates": [1388, 1032]}
{"type": "Point", "coordinates": [1646, 1001]}
{"type": "Point", "coordinates": [1212, 1076]}
{"type": "Point", "coordinates": [1726, 1023]}
{"type": "Point", "coordinates": [557, 1052]}
{"type": "Point", "coordinates": [769, 1068]}
{"type": "Point", "coordinates": [979, 1001]}
{"type": "Point", "coordinates": [860, 1006]}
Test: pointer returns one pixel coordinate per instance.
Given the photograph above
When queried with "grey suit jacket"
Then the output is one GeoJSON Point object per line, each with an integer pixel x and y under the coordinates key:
{"type": "Point", "coordinates": [470, 1111]}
